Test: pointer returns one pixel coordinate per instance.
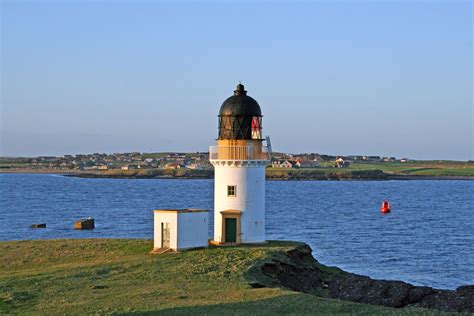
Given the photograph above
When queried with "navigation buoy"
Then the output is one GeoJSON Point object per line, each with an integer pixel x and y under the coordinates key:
{"type": "Point", "coordinates": [385, 207]}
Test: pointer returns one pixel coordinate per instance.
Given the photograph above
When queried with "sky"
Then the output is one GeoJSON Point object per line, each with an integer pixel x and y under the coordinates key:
{"type": "Point", "coordinates": [389, 78]}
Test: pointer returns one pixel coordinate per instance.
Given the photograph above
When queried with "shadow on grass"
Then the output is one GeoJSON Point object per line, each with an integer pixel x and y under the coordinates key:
{"type": "Point", "coordinates": [290, 304]}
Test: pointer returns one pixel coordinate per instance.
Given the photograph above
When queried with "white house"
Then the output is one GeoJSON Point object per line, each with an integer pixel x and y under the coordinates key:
{"type": "Point", "coordinates": [341, 163]}
{"type": "Point", "coordinates": [173, 165]}
{"type": "Point", "coordinates": [282, 164]}
{"type": "Point", "coordinates": [179, 229]}
{"type": "Point", "coordinates": [194, 166]}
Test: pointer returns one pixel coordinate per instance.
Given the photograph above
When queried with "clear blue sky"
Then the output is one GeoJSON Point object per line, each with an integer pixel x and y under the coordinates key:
{"type": "Point", "coordinates": [377, 77]}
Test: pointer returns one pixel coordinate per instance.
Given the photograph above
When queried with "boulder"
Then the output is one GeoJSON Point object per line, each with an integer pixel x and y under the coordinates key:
{"type": "Point", "coordinates": [41, 225]}
{"type": "Point", "coordinates": [85, 223]}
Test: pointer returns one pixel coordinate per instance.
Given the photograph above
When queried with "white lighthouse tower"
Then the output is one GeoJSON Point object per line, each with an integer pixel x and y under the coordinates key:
{"type": "Point", "coordinates": [239, 160]}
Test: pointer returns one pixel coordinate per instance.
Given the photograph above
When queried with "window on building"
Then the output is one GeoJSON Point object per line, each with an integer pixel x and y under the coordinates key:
{"type": "Point", "coordinates": [231, 190]}
{"type": "Point", "coordinates": [256, 127]}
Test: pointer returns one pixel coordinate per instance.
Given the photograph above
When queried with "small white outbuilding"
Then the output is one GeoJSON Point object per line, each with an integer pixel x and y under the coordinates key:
{"type": "Point", "coordinates": [180, 229]}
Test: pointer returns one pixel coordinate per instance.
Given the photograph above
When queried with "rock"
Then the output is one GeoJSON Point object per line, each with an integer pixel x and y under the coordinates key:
{"type": "Point", "coordinates": [417, 293]}
{"type": "Point", "coordinates": [85, 223]}
{"type": "Point", "coordinates": [256, 284]}
{"type": "Point", "coordinates": [296, 270]}
{"type": "Point", "coordinates": [362, 289]}
{"type": "Point", "coordinates": [466, 297]}
{"type": "Point", "coordinates": [461, 300]}
{"type": "Point", "coordinates": [299, 271]}
{"type": "Point", "coordinates": [294, 277]}
{"type": "Point", "coordinates": [42, 225]}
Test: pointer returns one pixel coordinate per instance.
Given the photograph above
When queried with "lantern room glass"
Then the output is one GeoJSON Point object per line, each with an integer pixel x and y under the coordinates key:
{"type": "Point", "coordinates": [240, 127]}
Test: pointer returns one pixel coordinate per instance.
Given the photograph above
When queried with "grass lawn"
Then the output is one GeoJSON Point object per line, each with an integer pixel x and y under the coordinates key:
{"type": "Point", "coordinates": [90, 276]}
{"type": "Point", "coordinates": [428, 168]}
{"type": "Point", "coordinates": [422, 168]}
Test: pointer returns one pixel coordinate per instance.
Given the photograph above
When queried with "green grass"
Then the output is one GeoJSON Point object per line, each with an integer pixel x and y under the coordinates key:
{"type": "Point", "coordinates": [451, 167]}
{"type": "Point", "coordinates": [465, 172]}
{"type": "Point", "coordinates": [104, 276]}
{"type": "Point", "coordinates": [420, 168]}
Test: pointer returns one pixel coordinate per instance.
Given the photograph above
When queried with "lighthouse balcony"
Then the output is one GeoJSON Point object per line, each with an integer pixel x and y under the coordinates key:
{"type": "Point", "coordinates": [239, 153]}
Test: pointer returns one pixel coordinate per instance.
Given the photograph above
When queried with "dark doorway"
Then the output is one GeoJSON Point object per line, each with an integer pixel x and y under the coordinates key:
{"type": "Point", "coordinates": [165, 235]}
{"type": "Point", "coordinates": [230, 230]}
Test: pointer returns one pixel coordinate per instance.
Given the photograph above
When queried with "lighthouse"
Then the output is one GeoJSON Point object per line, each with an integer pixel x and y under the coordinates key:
{"type": "Point", "coordinates": [239, 161]}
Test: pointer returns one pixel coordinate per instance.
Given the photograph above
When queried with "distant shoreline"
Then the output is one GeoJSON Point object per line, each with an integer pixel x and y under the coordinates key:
{"type": "Point", "coordinates": [364, 175]}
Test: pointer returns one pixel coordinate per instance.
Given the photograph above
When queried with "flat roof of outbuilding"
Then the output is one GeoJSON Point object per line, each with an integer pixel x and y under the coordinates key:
{"type": "Point", "coordinates": [181, 210]}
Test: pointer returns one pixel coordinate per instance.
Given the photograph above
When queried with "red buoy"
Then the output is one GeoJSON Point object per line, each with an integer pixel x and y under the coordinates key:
{"type": "Point", "coordinates": [385, 207]}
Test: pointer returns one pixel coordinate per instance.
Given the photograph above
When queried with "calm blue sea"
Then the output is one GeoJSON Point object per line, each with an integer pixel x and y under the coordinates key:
{"type": "Point", "coordinates": [428, 239]}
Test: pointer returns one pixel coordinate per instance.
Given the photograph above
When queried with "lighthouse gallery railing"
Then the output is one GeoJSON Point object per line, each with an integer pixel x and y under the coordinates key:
{"type": "Point", "coordinates": [239, 153]}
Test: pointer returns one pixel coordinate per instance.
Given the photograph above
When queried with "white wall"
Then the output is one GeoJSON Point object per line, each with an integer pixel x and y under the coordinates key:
{"type": "Point", "coordinates": [193, 230]}
{"type": "Point", "coordinates": [187, 229]}
{"type": "Point", "coordinates": [250, 199]}
{"type": "Point", "coordinates": [165, 217]}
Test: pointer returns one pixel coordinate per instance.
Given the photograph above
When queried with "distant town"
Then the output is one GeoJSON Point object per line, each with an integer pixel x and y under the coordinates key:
{"type": "Point", "coordinates": [175, 160]}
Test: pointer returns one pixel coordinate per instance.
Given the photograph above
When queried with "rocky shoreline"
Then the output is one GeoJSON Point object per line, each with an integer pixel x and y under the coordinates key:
{"type": "Point", "coordinates": [373, 176]}
{"type": "Point", "coordinates": [305, 176]}
{"type": "Point", "coordinates": [287, 175]}
{"type": "Point", "coordinates": [328, 176]}
{"type": "Point", "coordinates": [299, 271]}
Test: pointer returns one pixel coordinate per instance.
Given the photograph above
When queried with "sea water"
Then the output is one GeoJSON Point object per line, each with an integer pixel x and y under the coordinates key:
{"type": "Point", "coordinates": [427, 239]}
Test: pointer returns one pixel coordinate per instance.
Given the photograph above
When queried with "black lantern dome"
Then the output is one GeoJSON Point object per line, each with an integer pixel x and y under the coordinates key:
{"type": "Point", "coordinates": [240, 104]}
{"type": "Point", "coordinates": [240, 117]}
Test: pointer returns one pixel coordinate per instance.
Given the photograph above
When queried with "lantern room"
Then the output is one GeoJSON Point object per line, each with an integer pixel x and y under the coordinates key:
{"type": "Point", "coordinates": [240, 117]}
{"type": "Point", "coordinates": [240, 129]}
